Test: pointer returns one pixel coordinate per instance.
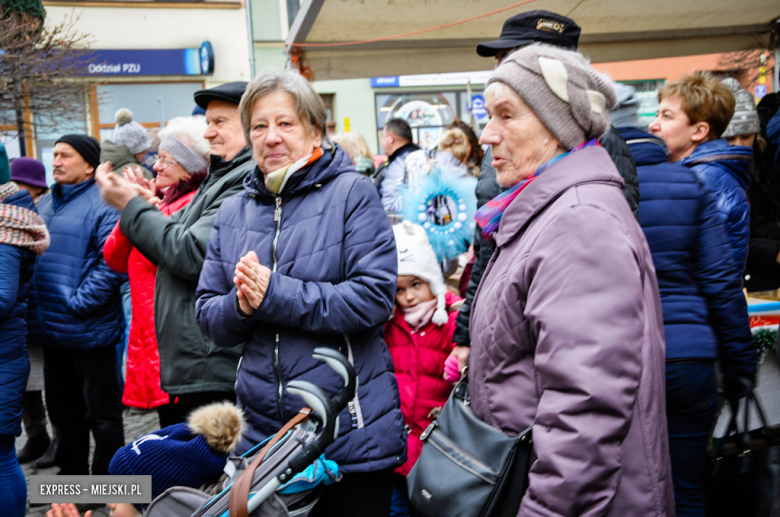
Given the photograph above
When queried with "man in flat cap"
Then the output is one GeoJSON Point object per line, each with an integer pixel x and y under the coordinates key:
{"type": "Point", "coordinates": [523, 29]}
{"type": "Point", "coordinates": [75, 312]}
{"type": "Point", "coordinates": [191, 367]}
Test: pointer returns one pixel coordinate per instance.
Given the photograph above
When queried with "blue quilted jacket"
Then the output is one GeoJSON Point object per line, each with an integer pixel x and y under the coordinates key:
{"type": "Point", "coordinates": [333, 285]}
{"type": "Point", "coordinates": [75, 301]}
{"type": "Point", "coordinates": [16, 269]}
{"type": "Point", "coordinates": [725, 171]}
{"type": "Point", "coordinates": [705, 313]}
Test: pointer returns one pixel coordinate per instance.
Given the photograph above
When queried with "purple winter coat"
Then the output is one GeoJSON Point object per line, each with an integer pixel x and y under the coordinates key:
{"type": "Point", "coordinates": [567, 335]}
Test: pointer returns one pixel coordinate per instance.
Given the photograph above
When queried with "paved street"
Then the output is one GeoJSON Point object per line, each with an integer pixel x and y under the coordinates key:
{"type": "Point", "coordinates": [137, 423]}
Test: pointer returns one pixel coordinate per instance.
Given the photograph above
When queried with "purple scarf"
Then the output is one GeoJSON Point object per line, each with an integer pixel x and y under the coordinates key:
{"type": "Point", "coordinates": [489, 216]}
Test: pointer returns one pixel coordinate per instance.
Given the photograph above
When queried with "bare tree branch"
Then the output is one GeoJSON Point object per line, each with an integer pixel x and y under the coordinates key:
{"type": "Point", "coordinates": [40, 67]}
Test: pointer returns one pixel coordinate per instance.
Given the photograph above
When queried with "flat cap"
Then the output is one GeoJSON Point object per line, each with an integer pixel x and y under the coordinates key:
{"type": "Point", "coordinates": [228, 92]}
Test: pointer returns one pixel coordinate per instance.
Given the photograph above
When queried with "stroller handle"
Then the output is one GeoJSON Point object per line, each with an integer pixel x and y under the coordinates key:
{"type": "Point", "coordinates": [340, 365]}
{"type": "Point", "coordinates": [327, 409]}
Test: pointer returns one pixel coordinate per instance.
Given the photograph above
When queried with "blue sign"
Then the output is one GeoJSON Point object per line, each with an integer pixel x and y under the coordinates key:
{"type": "Point", "coordinates": [206, 58]}
{"type": "Point", "coordinates": [760, 90]}
{"type": "Point", "coordinates": [382, 82]}
{"type": "Point", "coordinates": [180, 61]}
{"type": "Point", "coordinates": [478, 106]}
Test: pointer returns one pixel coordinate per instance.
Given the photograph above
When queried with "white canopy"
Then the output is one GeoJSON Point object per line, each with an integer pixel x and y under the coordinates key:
{"type": "Point", "coordinates": [612, 30]}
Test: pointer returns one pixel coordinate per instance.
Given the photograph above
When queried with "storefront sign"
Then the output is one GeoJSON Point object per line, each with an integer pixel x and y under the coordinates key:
{"type": "Point", "coordinates": [478, 106]}
{"type": "Point", "coordinates": [431, 79]}
{"type": "Point", "coordinates": [180, 61]}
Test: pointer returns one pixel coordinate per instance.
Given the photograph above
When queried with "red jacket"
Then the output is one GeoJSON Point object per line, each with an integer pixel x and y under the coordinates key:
{"type": "Point", "coordinates": [142, 382]}
{"type": "Point", "coordinates": [419, 365]}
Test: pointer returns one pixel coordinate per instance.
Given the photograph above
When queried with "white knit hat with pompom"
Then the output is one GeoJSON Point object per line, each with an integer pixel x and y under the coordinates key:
{"type": "Point", "coordinates": [130, 133]}
{"type": "Point", "coordinates": [416, 258]}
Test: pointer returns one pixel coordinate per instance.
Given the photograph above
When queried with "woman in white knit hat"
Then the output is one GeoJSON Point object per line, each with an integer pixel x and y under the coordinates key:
{"type": "Point", "coordinates": [181, 168]}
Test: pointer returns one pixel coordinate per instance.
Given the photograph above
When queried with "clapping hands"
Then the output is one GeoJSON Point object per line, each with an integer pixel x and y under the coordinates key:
{"type": "Point", "coordinates": [117, 191]}
{"type": "Point", "coordinates": [251, 279]}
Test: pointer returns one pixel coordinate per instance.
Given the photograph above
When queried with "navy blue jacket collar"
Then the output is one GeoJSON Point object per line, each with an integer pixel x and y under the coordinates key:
{"type": "Point", "coordinates": [331, 164]}
{"type": "Point", "coordinates": [646, 148]}
{"type": "Point", "coordinates": [64, 193]}
{"type": "Point", "coordinates": [737, 160]}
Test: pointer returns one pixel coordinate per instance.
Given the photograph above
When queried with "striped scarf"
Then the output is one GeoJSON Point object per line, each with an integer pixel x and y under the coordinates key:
{"type": "Point", "coordinates": [489, 216]}
{"type": "Point", "coordinates": [20, 226]}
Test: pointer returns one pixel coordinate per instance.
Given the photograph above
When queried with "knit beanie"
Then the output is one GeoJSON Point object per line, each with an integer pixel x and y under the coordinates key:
{"type": "Point", "coordinates": [624, 114]}
{"type": "Point", "coordinates": [130, 133]}
{"type": "Point", "coordinates": [745, 119]}
{"type": "Point", "coordinates": [86, 146]}
{"type": "Point", "coordinates": [192, 454]}
{"type": "Point", "coordinates": [187, 157]}
{"type": "Point", "coordinates": [416, 258]}
{"type": "Point", "coordinates": [570, 98]}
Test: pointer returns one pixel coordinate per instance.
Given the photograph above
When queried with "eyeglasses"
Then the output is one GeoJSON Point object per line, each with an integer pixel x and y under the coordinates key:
{"type": "Point", "coordinates": [165, 162]}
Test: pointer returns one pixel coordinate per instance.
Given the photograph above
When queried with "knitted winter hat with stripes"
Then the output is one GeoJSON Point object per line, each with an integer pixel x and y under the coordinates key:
{"type": "Point", "coordinates": [570, 98]}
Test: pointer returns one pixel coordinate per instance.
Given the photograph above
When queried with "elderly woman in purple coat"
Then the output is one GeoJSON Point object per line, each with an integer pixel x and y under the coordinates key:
{"type": "Point", "coordinates": [566, 327]}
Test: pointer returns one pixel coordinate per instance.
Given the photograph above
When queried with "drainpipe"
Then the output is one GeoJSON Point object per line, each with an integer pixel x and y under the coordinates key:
{"type": "Point", "coordinates": [251, 38]}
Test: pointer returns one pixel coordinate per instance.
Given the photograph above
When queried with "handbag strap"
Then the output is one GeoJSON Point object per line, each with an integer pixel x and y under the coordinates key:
{"type": "Point", "coordinates": [239, 494]}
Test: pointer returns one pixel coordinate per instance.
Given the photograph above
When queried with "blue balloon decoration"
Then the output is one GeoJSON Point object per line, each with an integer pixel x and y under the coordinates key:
{"type": "Point", "coordinates": [444, 204]}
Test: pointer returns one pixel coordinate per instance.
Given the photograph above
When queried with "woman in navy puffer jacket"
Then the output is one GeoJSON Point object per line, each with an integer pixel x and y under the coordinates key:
{"type": "Point", "coordinates": [692, 114]}
{"type": "Point", "coordinates": [704, 310]}
{"type": "Point", "coordinates": [22, 235]}
{"type": "Point", "coordinates": [305, 257]}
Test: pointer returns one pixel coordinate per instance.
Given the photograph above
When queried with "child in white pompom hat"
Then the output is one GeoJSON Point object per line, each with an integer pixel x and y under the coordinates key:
{"type": "Point", "coordinates": [419, 336]}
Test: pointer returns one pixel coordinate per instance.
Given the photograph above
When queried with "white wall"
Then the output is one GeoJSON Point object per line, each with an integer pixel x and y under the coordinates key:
{"type": "Point", "coordinates": [163, 28]}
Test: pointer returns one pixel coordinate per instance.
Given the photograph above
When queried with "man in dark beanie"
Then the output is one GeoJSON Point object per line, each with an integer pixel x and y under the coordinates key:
{"type": "Point", "coordinates": [523, 29]}
{"type": "Point", "coordinates": [191, 367]}
{"type": "Point", "coordinates": [75, 312]}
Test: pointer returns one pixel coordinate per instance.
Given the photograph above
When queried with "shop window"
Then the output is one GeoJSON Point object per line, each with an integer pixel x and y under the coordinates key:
{"type": "Point", "coordinates": [293, 6]}
{"type": "Point", "coordinates": [330, 121]}
{"type": "Point", "coordinates": [428, 113]}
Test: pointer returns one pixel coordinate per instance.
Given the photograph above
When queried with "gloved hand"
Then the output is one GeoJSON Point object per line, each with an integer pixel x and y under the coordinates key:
{"type": "Point", "coordinates": [451, 372]}
{"type": "Point", "coordinates": [738, 386]}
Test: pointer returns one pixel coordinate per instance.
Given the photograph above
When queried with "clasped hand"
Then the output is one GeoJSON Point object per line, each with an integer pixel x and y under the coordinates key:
{"type": "Point", "coordinates": [251, 279]}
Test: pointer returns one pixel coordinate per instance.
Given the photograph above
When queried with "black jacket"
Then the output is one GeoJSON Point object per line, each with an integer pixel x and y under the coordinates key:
{"type": "Point", "coordinates": [189, 361]}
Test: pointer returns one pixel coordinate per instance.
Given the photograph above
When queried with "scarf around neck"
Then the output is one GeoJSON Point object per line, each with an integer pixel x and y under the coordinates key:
{"type": "Point", "coordinates": [420, 315]}
{"type": "Point", "coordinates": [276, 180]}
{"type": "Point", "coordinates": [489, 216]}
{"type": "Point", "coordinates": [19, 226]}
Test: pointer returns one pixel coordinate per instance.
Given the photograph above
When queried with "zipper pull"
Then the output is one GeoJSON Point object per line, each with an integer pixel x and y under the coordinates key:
{"type": "Point", "coordinates": [429, 430]}
{"type": "Point", "coordinates": [278, 211]}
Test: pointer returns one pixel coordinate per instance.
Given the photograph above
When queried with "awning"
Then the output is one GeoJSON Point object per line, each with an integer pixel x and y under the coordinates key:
{"type": "Point", "coordinates": [612, 30]}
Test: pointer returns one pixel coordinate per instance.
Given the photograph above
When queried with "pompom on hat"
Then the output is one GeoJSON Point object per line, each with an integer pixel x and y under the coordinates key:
{"type": "Point", "coordinates": [745, 120]}
{"type": "Point", "coordinates": [416, 258]}
{"type": "Point", "coordinates": [130, 133]}
{"type": "Point", "coordinates": [570, 98]}
{"type": "Point", "coordinates": [193, 454]}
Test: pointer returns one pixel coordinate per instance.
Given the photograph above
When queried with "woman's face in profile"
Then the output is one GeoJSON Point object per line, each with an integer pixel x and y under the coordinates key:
{"type": "Point", "coordinates": [279, 138]}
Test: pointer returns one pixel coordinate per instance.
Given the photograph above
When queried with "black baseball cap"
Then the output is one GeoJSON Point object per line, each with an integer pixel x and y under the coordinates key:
{"type": "Point", "coordinates": [532, 27]}
{"type": "Point", "coordinates": [228, 92]}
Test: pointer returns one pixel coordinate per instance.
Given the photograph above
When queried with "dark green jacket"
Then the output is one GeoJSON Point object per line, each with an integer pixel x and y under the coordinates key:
{"type": "Point", "coordinates": [5, 167]}
{"type": "Point", "coordinates": [120, 157]}
{"type": "Point", "coordinates": [189, 361]}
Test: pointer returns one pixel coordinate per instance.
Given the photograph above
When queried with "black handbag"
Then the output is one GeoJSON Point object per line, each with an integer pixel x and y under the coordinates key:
{"type": "Point", "coordinates": [744, 468]}
{"type": "Point", "coordinates": [467, 468]}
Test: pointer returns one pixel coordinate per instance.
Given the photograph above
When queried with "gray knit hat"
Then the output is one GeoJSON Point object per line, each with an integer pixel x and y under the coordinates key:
{"type": "Point", "coordinates": [570, 98]}
{"type": "Point", "coordinates": [184, 154]}
{"type": "Point", "coordinates": [745, 119]}
{"type": "Point", "coordinates": [624, 114]}
{"type": "Point", "coordinates": [130, 133]}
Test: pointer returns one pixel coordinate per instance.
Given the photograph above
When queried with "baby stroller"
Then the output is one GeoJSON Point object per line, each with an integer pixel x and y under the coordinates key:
{"type": "Point", "coordinates": [252, 489]}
